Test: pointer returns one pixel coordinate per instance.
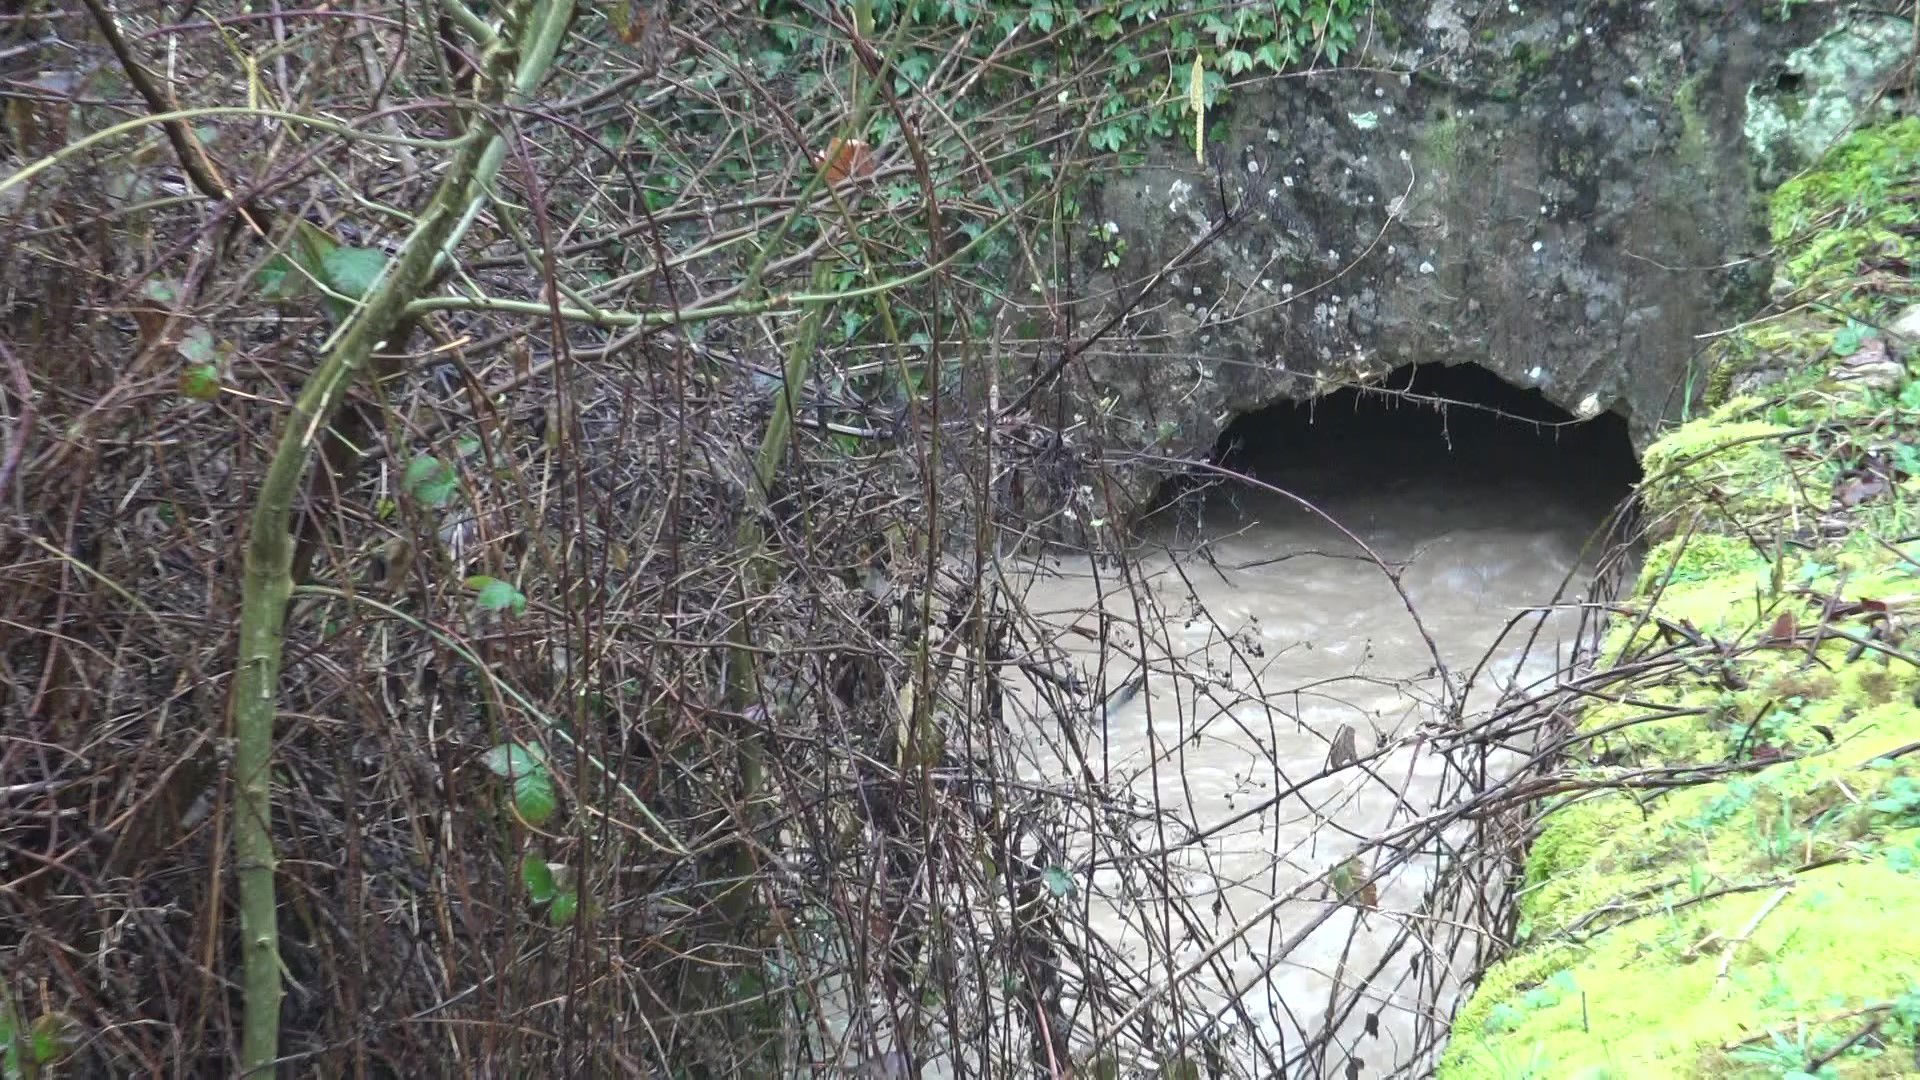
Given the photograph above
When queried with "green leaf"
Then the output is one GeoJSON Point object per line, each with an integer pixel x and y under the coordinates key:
{"type": "Point", "coordinates": [423, 470]}
{"type": "Point", "coordinates": [352, 271]}
{"type": "Point", "coordinates": [277, 279]}
{"type": "Point", "coordinates": [497, 595]}
{"type": "Point", "coordinates": [565, 906]}
{"type": "Point", "coordinates": [538, 877]}
{"type": "Point", "coordinates": [430, 480]}
{"type": "Point", "coordinates": [200, 382]}
{"type": "Point", "coordinates": [160, 291]}
{"type": "Point", "coordinates": [311, 246]}
{"type": "Point", "coordinates": [514, 760]}
{"type": "Point", "coordinates": [1850, 337]}
{"type": "Point", "coordinates": [51, 1037]}
{"type": "Point", "coordinates": [1059, 881]}
{"type": "Point", "coordinates": [534, 798]}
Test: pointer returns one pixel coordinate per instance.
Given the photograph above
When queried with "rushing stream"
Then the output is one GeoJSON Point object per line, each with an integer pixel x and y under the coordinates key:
{"type": "Point", "coordinates": [1268, 632]}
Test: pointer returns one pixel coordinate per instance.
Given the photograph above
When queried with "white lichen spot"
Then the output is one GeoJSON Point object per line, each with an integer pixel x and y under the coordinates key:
{"type": "Point", "coordinates": [1537, 245]}
{"type": "Point", "coordinates": [1273, 134]}
{"type": "Point", "coordinates": [1537, 374]}
{"type": "Point", "coordinates": [1589, 407]}
{"type": "Point", "coordinates": [1365, 121]}
{"type": "Point", "coordinates": [1426, 268]}
{"type": "Point", "coordinates": [1267, 284]}
{"type": "Point", "coordinates": [1177, 193]}
{"type": "Point", "coordinates": [1287, 180]}
{"type": "Point", "coordinates": [1253, 167]}
{"type": "Point", "coordinates": [1287, 289]}
{"type": "Point", "coordinates": [1273, 193]}
{"type": "Point", "coordinates": [1111, 228]}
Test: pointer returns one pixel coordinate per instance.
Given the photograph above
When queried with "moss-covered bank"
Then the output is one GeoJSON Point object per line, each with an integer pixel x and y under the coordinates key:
{"type": "Point", "coordinates": [1757, 912]}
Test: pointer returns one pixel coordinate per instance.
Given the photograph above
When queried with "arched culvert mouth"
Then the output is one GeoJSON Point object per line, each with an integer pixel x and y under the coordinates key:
{"type": "Point", "coordinates": [1446, 438]}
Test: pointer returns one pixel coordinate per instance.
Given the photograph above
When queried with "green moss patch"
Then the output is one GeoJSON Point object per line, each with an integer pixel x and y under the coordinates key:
{"type": "Point", "coordinates": [1705, 989]}
{"type": "Point", "coordinates": [1730, 885]}
{"type": "Point", "coordinates": [1716, 474]}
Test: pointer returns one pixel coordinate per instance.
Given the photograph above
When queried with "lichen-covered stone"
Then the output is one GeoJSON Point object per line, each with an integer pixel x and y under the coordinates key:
{"type": "Point", "coordinates": [1822, 92]}
{"type": "Point", "coordinates": [1562, 194]}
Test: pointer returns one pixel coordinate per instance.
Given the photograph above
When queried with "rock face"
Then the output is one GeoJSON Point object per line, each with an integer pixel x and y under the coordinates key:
{"type": "Point", "coordinates": [1565, 196]}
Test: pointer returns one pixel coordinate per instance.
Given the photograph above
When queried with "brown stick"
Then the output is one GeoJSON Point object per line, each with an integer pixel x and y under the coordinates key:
{"type": "Point", "coordinates": [194, 159]}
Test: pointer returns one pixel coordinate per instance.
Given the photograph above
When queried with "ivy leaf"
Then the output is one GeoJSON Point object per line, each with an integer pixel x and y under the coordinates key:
{"type": "Point", "coordinates": [352, 271]}
{"type": "Point", "coordinates": [565, 906]}
{"type": "Point", "coordinates": [538, 877]}
{"type": "Point", "coordinates": [430, 480]}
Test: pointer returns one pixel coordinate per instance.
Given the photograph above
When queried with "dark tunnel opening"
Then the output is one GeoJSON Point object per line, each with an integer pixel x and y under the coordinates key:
{"type": "Point", "coordinates": [1425, 448]}
{"type": "Point", "coordinates": [1454, 426]}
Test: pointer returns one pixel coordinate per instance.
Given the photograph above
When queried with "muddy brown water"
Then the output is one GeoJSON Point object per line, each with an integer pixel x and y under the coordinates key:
{"type": "Point", "coordinates": [1265, 633]}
